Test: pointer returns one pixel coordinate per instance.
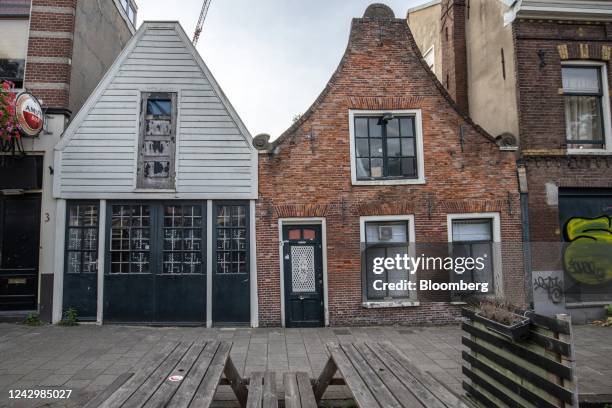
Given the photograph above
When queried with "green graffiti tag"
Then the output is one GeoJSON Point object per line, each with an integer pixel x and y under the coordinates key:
{"type": "Point", "coordinates": [588, 257]}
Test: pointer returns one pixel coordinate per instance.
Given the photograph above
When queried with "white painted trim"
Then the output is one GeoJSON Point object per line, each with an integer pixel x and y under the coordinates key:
{"type": "Point", "coordinates": [412, 300]}
{"type": "Point", "coordinates": [497, 253]}
{"type": "Point", "coordinates": [58, 281]}
{"type": "Point", "coordinates": [253, 266]}
{"type": "Point", "coordinates": [605, 105]}
{"type": "Point", "coordinates": [592, 10]}
{"type": "Point", "coordinates": [209, 262]}
{"type": "Point", "coordinates": [432, 51]}
{"type": "Point", "coordinates": [423, 6]}
{"type": "Point", "coordinates": [418, 127]}
{"type": "Point", "coordinates": [101, 260]}
{"type": "Point", "coordinates": [303, 221]}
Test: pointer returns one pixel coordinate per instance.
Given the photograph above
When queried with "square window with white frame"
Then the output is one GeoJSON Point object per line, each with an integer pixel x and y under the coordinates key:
{"type": "Point", "coordinates": [384, 238]}
{"type": "Point", "coordinates": [386, 147]}
{"type": "Point", "coordinates": [586, 106]}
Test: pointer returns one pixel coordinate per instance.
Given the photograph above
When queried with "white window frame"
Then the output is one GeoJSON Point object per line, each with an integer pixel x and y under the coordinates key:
{"type": "Point", "coordinates": [431, 52]}
{"type": "Point", "coordinates": [412, 300]}
{"type": "Point", "coordinates": [605, 104]}
{"type": "Point", "coordinates": [498, 277]}
{"type": "Point", "coordinates": [418, 130]}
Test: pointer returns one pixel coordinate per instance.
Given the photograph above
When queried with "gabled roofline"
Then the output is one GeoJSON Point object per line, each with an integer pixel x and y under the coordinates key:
{"type": "Point", "coordinates": [114, 68]}
{"type": "Point", "coordinates": [412, 46]}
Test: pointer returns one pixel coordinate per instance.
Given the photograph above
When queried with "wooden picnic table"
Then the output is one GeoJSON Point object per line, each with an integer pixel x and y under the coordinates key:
{"type": "Point", "coordinates": [179, 375]}
{"type": "Point", "coordinates": [380, 376]}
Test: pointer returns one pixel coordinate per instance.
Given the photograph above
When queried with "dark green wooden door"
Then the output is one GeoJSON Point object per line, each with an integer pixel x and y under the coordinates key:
{"type": "Point", "coordinates": [81, 259]}
{"type": "Point", "coordinates": [303, 276]}
{"type": "Point", "coordinates": [231, 277]}
{"type": "Point", "coordinates": [155, 266]}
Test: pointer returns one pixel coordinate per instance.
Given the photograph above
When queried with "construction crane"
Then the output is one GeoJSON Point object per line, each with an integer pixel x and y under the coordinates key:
{"type": "Point", "coordinates": [198, 29]}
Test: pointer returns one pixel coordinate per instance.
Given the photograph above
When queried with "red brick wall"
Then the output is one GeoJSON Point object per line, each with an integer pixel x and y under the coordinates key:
{"type": "Point", "coordinates": [541, 106]}
{"type": "Point", "coordinates": [454, 53]}
{"type": "Point", "coordinates": [50, 80]}
{"type": "Point", "coordinates": [541, 46]}
{"type": "Point", "coordinates": [309, 176]}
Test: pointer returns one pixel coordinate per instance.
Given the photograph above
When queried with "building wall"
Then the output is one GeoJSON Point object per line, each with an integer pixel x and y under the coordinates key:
{"type": "Point", "coordinates": [492, 97]}
{"type": "Point", "coordinates": [308, 175]}
{"type": "Point", "coordinates": [540, 49]}
{"type": "Point", "coordinates": [541, 106]}
{"type": "Point", "coordinates": [94, 50]}
{"type": "Point", "coordinates": [50, 51]}
{"type": "Point", "coordinates": [425, 26]}
{"type": "Point", "coordinates": [214, 156]}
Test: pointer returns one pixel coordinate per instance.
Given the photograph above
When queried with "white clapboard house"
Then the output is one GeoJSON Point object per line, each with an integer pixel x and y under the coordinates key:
{"type": "Point", "coordinates": [155, 181]}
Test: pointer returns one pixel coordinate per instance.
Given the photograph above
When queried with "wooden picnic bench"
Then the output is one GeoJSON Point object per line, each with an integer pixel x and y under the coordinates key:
{"type": "Point", "coordinates": [381, 376]}
{"type": "Point", "coordinates": [178, 375]}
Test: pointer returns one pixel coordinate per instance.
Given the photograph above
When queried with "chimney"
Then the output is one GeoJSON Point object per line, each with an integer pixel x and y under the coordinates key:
{"type": "Point", "coordinates": [454, 58]}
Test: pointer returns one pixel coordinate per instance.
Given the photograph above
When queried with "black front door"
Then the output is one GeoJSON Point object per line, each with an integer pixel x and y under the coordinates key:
{"type": "Point", "coordinates": [155, 265]}
{"type": "Point", "coordinates": [19, 246]}
{"type": "Point", "coordinates": [303, 270]}
{"type": "Point", "coordinates": [231, 277]}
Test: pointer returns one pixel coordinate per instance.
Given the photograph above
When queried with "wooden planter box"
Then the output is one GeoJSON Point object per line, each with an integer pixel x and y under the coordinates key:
{"type": "Point", "coordinates": [516, 332]}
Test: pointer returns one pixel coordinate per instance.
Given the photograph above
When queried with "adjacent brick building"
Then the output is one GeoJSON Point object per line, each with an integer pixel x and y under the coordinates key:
{"type": "Point", "coordinates": [58, 50]}
{"type": "Point", "coordinates": [539, 71]}
{"type": "Point", "coordinates": [383, 157]}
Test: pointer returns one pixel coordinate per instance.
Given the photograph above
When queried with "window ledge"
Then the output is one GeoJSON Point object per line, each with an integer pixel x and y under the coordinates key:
{"type": "Point", "coordinates": [388, 182]}
{"type": "Point", "coordinates": [154, 190]}
{"type": "Point", "coordinates": [578, 305]}
{"type": "Point", "coordinates": [390, 304]}
{"type": "Point", "coordinates": [599, 152]}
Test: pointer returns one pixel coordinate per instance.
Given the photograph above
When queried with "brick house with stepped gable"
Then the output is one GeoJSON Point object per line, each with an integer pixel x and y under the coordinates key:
{"type": "Point", "coordinates": [381, 159]}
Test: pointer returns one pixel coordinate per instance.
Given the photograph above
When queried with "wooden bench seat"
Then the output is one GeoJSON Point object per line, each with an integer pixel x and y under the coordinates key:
{"type": "Point", "coordinates": [298, 391]}
{"type": "Point", "coordinates": [262, 390]}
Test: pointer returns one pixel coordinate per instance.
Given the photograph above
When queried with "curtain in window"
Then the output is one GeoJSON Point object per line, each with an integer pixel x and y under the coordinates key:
{"type": "Point", "coordinates": [583, 118]}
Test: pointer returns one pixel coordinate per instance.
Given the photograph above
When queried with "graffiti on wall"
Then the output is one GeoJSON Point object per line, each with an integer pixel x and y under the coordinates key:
{"type": "Point", "coordinates": [588, 256]}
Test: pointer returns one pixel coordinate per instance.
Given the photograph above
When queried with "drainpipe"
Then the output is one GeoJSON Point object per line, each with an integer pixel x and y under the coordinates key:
{"type": "Point", "coordinates": [522, 177]}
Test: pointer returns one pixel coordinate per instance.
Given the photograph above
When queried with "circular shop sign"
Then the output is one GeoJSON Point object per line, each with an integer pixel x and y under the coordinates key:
{"type": "Point", "coordinates": [29, 114]}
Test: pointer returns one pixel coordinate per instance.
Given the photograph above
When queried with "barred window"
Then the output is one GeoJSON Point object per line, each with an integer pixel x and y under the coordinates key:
{"type": "Point", "coordinates": [82, 238]}
{"type": "Point", "coordinates": [130, 239]}
{"type": "Point", "coordinates": [232, 249]}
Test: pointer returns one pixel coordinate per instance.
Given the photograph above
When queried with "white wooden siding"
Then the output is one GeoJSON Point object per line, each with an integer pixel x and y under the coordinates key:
{"type": "Point", "coordinates": [215, 157]}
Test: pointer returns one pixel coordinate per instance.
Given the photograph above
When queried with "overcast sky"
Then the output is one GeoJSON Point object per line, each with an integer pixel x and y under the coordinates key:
{"type": "Point", "coordinates": [271, 57]}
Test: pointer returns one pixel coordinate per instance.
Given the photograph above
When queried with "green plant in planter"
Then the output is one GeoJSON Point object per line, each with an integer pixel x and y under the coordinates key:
{"type": "Point", "coordinates": [32, 319]}
{"type": "Point", "coordinates": [70, 318]}
{"type": "Point", "coordinates": [608, 310]}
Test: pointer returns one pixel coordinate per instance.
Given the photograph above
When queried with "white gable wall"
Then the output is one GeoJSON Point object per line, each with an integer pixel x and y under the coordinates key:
{"type": "Point", "coordinates": [215, 159]}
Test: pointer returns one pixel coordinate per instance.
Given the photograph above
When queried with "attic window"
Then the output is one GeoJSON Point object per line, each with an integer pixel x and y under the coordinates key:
{"type": "Point", "coordinates": [156, 161]}
{"type": "Point", "coordinates": [386, 147]}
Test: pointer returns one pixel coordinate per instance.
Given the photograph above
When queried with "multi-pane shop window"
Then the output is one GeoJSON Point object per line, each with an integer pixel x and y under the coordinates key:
{"type": "Point", "coordinates": [130, 239]}
{"type": "Point", "coordinates": [584, 93]}
{"type": "Point", "coordinates": [473, 238]}
{"type": "Point", "coordinates": [385, 239]}
{"type": "Point", "coordinates": [385, 147]}
{"type": "Point", "coordinates": [82, 238]}
{"type": "Point", "coordinates": [231, 237]}
{"type": "Point", "coordinates": [157, 141]}
{"type": "Point", "coordinates": [183, 243]}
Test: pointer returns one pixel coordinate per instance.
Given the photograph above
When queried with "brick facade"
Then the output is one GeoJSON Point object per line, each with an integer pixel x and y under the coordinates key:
{"type": "Point", "coordinates": [50, 45]}
{"type": "Point", "coordinates": [541, 47]}
{"type": "Point", "coordinates": [306, 173]}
